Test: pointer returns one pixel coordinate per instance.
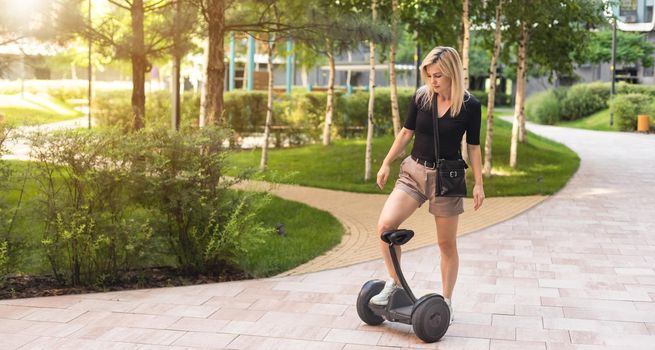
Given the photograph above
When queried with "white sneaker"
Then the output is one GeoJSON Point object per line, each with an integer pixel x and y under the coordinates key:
{"type": "Point", "coordinates": [450, 307]}
{"type": "Point", "coordinates": [383, 298]}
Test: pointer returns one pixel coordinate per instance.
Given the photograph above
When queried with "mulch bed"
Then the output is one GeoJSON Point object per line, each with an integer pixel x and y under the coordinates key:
{"type": "Point", "coordinates": [27, 286]}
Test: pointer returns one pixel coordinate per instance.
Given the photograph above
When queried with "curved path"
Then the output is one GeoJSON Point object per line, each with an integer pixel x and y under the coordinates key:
{"type": "Point", "coordinates": [358, 212]}
{"type": "Point", "coordinates": [575, 272]}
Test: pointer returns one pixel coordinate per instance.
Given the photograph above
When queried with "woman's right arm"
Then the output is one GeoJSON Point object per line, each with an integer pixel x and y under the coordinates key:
{"type": "Point", "coordinates": [399, 144]}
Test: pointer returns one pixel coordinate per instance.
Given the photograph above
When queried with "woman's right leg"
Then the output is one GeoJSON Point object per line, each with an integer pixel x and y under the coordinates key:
{"type": "Point", "coordinates": [398, 207]}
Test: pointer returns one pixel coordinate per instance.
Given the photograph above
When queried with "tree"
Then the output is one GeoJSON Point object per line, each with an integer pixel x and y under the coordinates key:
{"type": "Point", "coordinates": [466, 39]}
{"type": "Point", "coordinates": [492, 88]}
{"type": "Point", "coordinates": [631, 48]}
{"type": "Point", "coordinates": [395, 114]}
{"type": "Point", "coordinates": [549, 33]}
{"type": "Point", "coordinates": [371, 101]}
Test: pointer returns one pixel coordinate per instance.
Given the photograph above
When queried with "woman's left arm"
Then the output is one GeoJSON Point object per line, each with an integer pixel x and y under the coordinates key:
{"type": "Point", "coordinates": [475, 158]}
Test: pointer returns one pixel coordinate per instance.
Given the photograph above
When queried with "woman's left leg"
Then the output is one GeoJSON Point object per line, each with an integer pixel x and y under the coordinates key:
{"type": "Point", "coordinates": [447, 239]}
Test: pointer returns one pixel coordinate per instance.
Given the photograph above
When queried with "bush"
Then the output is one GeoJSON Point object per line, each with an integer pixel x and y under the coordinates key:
{"type": "Point", "coordinates": [581, 101]}
{"type": "Point", "coordinates": [297, 118]}
{"type": "Point", "coordinates": [543, 108]}
{"type": "Point", "coordinates": [91, 234]}
{"type": "Point", "coordinates": [179, 178]}
{"type": "Point", "coordinates": [110, 201]}
{"type": "Point", "coordinates": [626, 108]}
{"type": "Point", "coordinates": [501, 99]}
{"type": "Point", "coordinates": [625, 88]}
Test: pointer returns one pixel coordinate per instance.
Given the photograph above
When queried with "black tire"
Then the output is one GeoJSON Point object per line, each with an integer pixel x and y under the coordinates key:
{"type": "Point", "coordinates": [431, 319]}
{"type": "Point", "coordinates": [369, 290]}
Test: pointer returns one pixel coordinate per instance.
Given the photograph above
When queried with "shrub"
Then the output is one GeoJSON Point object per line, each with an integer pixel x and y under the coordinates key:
{"type": "Point", "coordinates": [625, 88]}
{"type": "Point", "coordinates": [581, 101]}
{"type": "Point", "coordinates": [543, 108]}
{"type": "Point", "coordinates": [626, 108]}
{"type": "Point", "coordinates": [501, 99]}
{"type": "Point", "coordinates": [297, 118]}
{"type": "Point", "coordinates": [178, 177]}
{"type": "Point", "coordinates": [90, 232]}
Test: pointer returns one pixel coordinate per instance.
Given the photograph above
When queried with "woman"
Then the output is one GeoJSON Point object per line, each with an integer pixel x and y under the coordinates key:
{"type": "Point", "coordinates": [458, 112]}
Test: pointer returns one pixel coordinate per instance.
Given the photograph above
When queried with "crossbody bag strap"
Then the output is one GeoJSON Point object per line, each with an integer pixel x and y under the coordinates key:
{"type": "Point", "coordinates": [435, 129]}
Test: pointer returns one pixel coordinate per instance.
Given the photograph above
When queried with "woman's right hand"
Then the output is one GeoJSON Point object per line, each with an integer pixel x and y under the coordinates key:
{"type": "Point", "coordinates": [383, 175]}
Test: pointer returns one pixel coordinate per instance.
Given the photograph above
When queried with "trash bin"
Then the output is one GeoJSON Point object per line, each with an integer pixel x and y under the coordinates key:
{"type": "Point", "coordinates": [643, 123]}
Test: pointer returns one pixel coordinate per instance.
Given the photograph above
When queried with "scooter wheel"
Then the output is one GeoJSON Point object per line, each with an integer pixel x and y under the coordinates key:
{"type": "Point", "coordinates": [431, 319]}
{"type": "Point", "coordinates": [369, 290]}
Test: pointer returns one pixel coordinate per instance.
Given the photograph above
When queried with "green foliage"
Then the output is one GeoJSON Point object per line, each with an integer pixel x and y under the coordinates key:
{"type": "Point", "coordinates": [543, 108]}
{"type": "Point", "coordinates": [582, 101]}
{"type": "Point", "coordinates": [83, 196]}
{"type": "Point", "coordinates": [500, 99]}
{"type": "Point", "coordinates": [227, 243]}
{"type": "Point", "coordinates": [625, 88]}
{"type": "Point", "coordinates": [4, 212]}
{"type": "Point", "coordinates": [178, 175]}
{"type": "Point", "coordinates": [298, 118]}
{"type": "Point", "coordinates": [4, 262]}
{"type": "Point", "coordinates": [109, 200]}
{"type": "Point", "coordinates": [626, 108]}
{"type": "Point", "coordinates": [631, 48]}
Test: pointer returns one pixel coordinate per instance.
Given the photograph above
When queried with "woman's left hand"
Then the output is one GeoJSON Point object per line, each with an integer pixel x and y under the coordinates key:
{"type": "Point", "coordinates": [478, 196]}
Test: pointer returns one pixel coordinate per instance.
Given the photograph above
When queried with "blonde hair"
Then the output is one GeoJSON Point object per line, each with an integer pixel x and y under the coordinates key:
{"type": "Point", "coordinates": [448, 61]}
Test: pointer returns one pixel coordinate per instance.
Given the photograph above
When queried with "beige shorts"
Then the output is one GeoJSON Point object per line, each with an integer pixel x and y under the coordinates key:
{"type": "Point", "coordinates": [420, 183]}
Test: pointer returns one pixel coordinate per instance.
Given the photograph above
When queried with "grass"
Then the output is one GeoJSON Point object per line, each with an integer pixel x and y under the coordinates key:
{"type": "Point", "coordinates": [598, 121]}
{"type": "Point", "coordinates": [301, 243]}
{"type": "Point", "coordinates": [544, 166]}
{"type": "Point", "coordinates": [34, 110]}
{"type": "Point", "coordinates": [275, 255]}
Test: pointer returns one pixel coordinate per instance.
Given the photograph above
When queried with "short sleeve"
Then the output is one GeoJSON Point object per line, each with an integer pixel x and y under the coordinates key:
{"type": "Point", "coordinates": [474, 120]}
{"type": "Point", "coordinates": [410, 121]}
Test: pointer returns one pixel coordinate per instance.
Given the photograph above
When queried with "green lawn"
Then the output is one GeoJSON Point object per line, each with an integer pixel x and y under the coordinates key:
{"type": "Point", "coordinates": [544, 166]}
{"type": "Point", "coordinates": [597, 121]}
{"type": "Point", "coordinates": [34, 109]}
{"type": "Point", "coordinates": [275, 255]}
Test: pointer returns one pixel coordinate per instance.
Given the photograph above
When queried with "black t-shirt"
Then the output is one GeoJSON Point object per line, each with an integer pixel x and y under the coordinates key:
{"type": "Point", "coordinates": [451, 129]}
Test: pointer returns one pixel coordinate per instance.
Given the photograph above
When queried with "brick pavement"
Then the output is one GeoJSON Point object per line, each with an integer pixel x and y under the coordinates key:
{"type": "Point", "coordinates": [574, 272]}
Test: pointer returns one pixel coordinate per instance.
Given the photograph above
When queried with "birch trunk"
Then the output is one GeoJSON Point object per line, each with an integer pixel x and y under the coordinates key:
{"type": "Point", "coordinates": [329, 109]}
{"type": "Point", "coordinates": [371, 103]}
{"type": "Point", "coordinates": [491, 97]}
{"type": "Point", "coordinates": [520, 94]}
{"type": "Point", "coordinates": [465, 62]}
{"type": "Point", "coordinates": [395, 114]}
{"type": "Point", "coordinates": [269, 105]}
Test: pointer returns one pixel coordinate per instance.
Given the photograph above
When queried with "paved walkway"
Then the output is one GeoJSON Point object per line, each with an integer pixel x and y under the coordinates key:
{"type": "Point", "coordinates": [575, 272]}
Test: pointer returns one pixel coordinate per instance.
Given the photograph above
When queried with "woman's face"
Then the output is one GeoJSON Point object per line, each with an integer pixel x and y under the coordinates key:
{"type": "Point", "coordinates": [438, 81]}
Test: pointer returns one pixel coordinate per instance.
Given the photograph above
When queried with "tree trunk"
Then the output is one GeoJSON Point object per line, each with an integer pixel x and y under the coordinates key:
{"type": "Point", "coordinates": [138, 67]}
{"type": "Point", "coordinates": [329, 109]}
{"type": "Point", "coordinates": [465, 42]}
{"type": "Point", "coordinates": [304, 76]}
{"type": "Point", "coordinates": [175, 93]}
{"type": "Point", "coordinates": [269, 104]}
{"type": "Point", "coordinates": [215, 65]}
{"type": "Point", "coordinates": [520, 94]}
{"type": "Point", "coordinates": [202, 118]}
{"type": "Point", "coordinates": [491, 96]}
{"type": "Point", "coordinates": [73, 71]}
{"type": "Point", "coordinates": [395, 114]}
{"type": "Point", "coordinates": [371, 102]}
